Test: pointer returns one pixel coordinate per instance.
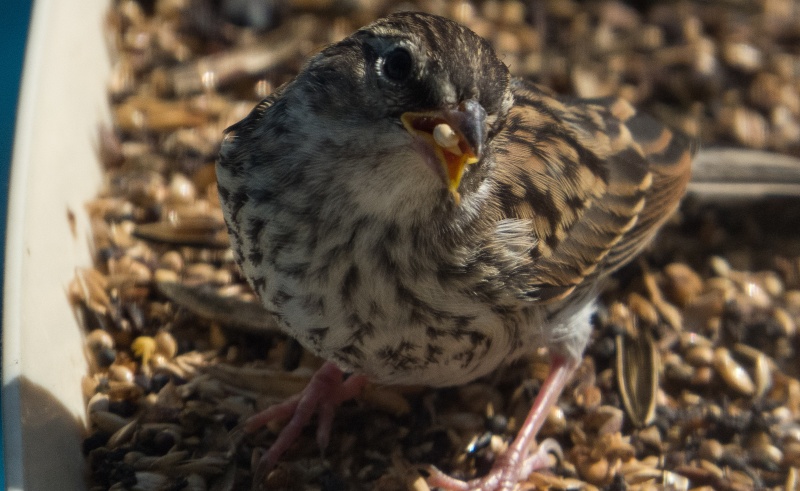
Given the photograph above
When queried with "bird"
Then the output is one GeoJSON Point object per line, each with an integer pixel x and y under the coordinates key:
{"type": "Point", "coordinates": [413, 214]}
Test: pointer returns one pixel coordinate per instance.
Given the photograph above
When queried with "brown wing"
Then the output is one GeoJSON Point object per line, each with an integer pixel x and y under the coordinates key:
{"type": "Point", "coordinates": [594, 179]}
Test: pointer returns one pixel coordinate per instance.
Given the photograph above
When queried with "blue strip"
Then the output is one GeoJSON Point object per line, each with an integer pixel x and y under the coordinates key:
{"type": "Point", "coordinates": [13, 33]}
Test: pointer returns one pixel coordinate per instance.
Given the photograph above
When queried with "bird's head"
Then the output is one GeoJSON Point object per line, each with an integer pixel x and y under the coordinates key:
{"type": "Point", "coordinates": [402, 109]}
{"type": "Point", "coordinates": [441, 82]}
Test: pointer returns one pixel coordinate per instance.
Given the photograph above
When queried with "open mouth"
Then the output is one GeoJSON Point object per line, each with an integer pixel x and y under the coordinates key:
{"type": "Point", "coordinates": [440, 130]}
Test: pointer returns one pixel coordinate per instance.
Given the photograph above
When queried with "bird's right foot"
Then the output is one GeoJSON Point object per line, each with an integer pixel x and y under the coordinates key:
{"type": "Point", "coordinates": [327, 389]}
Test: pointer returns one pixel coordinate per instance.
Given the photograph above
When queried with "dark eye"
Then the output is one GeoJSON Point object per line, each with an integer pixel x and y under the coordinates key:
{"type": "Point", "coordinates": [397, 65]}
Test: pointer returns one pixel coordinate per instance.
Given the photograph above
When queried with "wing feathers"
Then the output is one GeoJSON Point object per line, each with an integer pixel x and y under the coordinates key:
{"type": "Point", "coordinates": [594, 178]}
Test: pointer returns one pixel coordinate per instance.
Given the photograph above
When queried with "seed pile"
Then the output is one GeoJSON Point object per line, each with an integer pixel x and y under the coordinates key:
{"type": "Point", "coordinates": [179, 355]}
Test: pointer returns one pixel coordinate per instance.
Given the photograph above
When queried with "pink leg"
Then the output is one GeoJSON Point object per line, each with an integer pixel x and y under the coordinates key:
{"type": "Point", "coordinates": [326, 390]}
{"type": "Point", "coordinates": [515, 463]}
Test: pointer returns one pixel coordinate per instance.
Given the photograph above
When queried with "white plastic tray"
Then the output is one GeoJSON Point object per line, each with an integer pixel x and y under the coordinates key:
{"type": "Point", "coordinates": [54, 171]}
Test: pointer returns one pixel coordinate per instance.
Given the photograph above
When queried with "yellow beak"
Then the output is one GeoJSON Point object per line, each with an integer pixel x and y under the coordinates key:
{"type": "Point", "coordinates": [455, 135]}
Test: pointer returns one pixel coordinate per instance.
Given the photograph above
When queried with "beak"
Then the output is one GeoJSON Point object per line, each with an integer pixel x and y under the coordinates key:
{"type": "Point", "coordinates": [455, 135]}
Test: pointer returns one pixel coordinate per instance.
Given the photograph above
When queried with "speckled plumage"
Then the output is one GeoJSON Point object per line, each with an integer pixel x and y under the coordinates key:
{"type": "Point", "coordinates": [351, 239]}
{"type": "Point", "coordinates": [367, 261]}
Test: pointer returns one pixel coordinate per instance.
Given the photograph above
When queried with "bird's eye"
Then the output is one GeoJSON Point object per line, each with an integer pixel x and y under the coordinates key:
{"type": "Point", "coordinates": [397, 65]}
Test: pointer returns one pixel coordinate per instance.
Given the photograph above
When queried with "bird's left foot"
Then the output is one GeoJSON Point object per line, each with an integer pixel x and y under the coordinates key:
{"type": "Point", "coordinates": [327, 390]}
{"type": "Point", "coordinates": [507, 471]}
{"type": "Point", "coordinates": [516, 463]}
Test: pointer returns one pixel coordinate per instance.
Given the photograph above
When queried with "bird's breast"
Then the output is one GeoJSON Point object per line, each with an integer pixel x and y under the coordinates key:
{"type": "Point", "coordinates": [369, 296]}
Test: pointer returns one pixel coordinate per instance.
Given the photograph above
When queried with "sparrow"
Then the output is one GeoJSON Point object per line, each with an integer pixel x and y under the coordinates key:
{"type": "Point", "coordinates": [412, 214]}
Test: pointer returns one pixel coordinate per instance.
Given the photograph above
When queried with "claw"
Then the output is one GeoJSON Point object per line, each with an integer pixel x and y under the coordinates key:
{"type": "Point", "coordinates": [326, 390]}
{"type": "Point", "coordinates": [518, 462]}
